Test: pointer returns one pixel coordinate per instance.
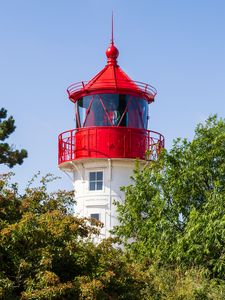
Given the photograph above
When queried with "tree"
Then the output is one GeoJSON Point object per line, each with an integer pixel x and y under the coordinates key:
{"type": "Point", "coordinates": [172, 224]}
{"type": "Point", "coordinates": [174, 212]}
{"type": "Point", "coordinates": [8, 155]}
{"type": "Point", "coordinates": [47, 253]}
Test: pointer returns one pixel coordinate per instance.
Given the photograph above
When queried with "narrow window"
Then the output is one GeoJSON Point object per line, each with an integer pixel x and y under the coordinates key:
{"type": "Point", "coordinates": [95, 181]}
{"type": "Point", "coordinates": [95, 216]}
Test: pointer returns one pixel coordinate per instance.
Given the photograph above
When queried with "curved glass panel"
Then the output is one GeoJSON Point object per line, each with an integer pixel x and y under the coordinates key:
{"type": "Point", "coordinates": [112, 110]}
{"type": "Point", "coordinates": [115, 106]}
{"type": "Point", "coordinates": [96, 114]}
{"type": "Point", "coordinates": [137, 111]}
{"type": "Point", "coordinates": [83, 104]}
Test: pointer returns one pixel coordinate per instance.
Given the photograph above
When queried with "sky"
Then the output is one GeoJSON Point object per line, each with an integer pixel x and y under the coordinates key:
{"type": "Point", "coordinates": [177, 46]}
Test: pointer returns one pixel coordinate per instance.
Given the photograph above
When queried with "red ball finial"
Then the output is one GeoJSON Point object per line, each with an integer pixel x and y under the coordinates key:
{"type": "Point", "coordinates": [112, 53]}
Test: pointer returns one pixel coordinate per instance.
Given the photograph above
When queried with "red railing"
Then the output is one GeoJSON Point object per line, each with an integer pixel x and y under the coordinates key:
{"type": "Point", "coordinates": [109, 142]}
{"type": "Point", "coordinates": [137, 86]}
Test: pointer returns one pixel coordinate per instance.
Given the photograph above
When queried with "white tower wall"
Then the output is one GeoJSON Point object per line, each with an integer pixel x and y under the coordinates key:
{"type": "Point", "coordinates": [116, 173]}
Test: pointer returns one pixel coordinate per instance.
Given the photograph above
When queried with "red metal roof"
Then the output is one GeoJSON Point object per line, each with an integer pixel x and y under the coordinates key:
{"type": "Point", "coordinates": [111, 79]}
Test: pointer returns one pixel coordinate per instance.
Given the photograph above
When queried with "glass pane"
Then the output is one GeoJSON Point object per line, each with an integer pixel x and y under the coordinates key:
{"type": "Point", "coordinates": [99, 175]}
{"type": "Point", "coordinates": [143, 109]}
{"type": "Point", "coordinates": [83, 105]}
{"type": "Point", "coordinates": [92, 176]}
{"type": "Point", "coordinates": [137, 111]}
{"type": "Point", "coordinates": [92, 186]}
{"type": "Point", "coordinates": [96, 113]}
{"type": "Point", "coordinates": [95, 216]}
{"type": "Point", "coordinates": [111, 103]}
{"type": "Point", "coordinates": [99, 185]}
{"type": "Point", "coordinates": [122, 107]}
{"type": "Point", "coordinates": [133, 117]}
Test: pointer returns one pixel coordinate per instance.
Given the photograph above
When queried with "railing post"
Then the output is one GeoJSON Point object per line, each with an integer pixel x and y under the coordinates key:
{"type": "Point", "coordinates": [59, 150]}
{"type": "Point", "coordinates": [74, 137]}
{"type": "Point", "coordinates": [146, 86]}
{"type": "Point", "coordinates": [70, 146]}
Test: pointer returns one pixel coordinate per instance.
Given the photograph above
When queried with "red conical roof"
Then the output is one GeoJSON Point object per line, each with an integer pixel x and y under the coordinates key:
{"type": "Point", "coordinates": [112, 79]}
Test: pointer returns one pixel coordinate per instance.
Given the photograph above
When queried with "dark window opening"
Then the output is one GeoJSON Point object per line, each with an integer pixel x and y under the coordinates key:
{"type": "Point", "coordinates": [95, 216]}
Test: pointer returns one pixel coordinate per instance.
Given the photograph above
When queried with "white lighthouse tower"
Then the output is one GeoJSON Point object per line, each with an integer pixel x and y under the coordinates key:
{"type": "Point", "coordinates": [111, 133]}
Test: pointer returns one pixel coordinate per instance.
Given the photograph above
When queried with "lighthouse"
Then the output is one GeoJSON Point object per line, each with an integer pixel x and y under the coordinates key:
{"type": "Point", "coordinates": [111, 133]}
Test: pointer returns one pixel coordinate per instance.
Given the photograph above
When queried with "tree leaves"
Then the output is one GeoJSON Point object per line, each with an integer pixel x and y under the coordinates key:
{"type": "Point", "coordinates": [174, 210]}
{"type": "Point", "coordinates": [172, 227]}
{"type": "Point", "coordinates": [9, 155]}
{"type": "Point", "coordinates": [47, 253]}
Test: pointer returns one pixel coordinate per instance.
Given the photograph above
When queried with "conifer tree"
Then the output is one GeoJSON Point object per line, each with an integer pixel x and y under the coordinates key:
{"type": "Point", "coordinates": [8, 155]}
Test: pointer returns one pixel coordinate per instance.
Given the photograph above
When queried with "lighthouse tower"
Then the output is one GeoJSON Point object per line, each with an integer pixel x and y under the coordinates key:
{"type": "Point", "coordinates": [111, 133]}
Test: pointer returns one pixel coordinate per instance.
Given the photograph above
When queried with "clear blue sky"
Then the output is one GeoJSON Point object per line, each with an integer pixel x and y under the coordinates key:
{"type": "Point", "coordinates": [176, 46]}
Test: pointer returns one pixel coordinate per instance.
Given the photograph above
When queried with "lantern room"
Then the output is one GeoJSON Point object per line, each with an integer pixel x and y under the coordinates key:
{"type": "Point", "coordinates": [111, 112]}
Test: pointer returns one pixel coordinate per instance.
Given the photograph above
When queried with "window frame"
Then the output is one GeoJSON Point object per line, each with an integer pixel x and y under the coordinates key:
{"type": "Point", "coordinates": [95, 181]}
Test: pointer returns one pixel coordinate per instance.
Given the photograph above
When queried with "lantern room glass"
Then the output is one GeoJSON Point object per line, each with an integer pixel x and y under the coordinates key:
{"type": "Point", "coordinates": [112, 110]}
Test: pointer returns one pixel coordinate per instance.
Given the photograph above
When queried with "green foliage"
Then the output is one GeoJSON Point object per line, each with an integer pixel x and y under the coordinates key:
{"type": "Point", "coordinates": [177, 284]}
{"type": "Point", "coordinates": [8, 155]}
{"type": "Point", "coordinates": [172, 226]}
{"type": "Point", "coordinates": [47, 253]}
{"type": "Point", "coordinates": [174, 210]}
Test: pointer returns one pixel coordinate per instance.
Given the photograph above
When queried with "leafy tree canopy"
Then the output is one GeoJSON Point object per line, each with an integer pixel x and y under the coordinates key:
{"type": "Point", "coordinates": [8, 155]}
{"type": "Point", "coordinates": [47, 253]}
{"type": "Point", "coordinates": [172, 225]}
{"type": "Point", "coordinates": [174, 211]}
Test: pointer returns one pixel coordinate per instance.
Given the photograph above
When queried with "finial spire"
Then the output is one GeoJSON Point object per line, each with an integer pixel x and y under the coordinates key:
{"type": "Point", "coordinates": [112, 38]}
{"type": "Point", "coordinates": [112, 52]}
